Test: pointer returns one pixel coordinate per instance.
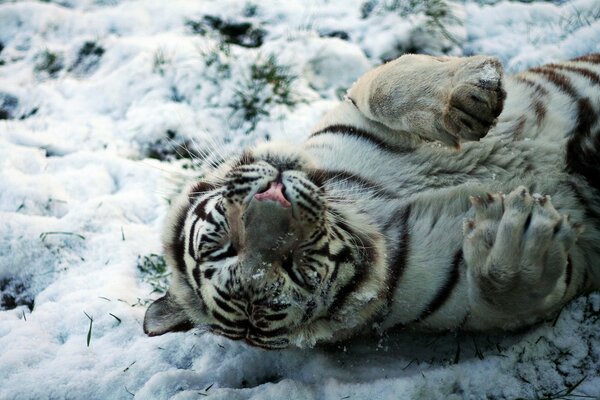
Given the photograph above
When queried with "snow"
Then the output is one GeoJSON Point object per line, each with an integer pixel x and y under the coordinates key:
{"type": "Point", "coordinates": [82, 203]}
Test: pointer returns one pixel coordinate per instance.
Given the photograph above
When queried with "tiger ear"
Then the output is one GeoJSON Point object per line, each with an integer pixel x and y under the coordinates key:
{"type": "Point", "coordinates": [165, 315]}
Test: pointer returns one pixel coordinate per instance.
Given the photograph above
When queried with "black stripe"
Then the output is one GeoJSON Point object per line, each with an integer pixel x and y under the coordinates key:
{"type": "Point", "coordinates": [230, 252]}
{"type": "Point", "coordinates": [581, 157]}
{"type": "Point", "coordinates": [192, 235]}
{"type": "Point", "coordinates": [338, 175]}
{"type": "Point", "coordinates": [198, 189]}
{"type": "Point", "coordinates": [538, 91]}
{"type": "Point", "coordinates": [559, 80]}
{"type": "Point", "coordinates": [253, 331]}
{"type": "Point", "coordinates": [344, 255]}
{"type": "Point", "coordinates": [590, 213]}
{"type": "Point", "coordinates": [275, 317]}
{"type": "Point", "coordinates": [592, 76]}
{"type": "Point", "coordinates": [540, 110]}
{"type": "Point", "coordinates": [268, 344]}
{"type": "Point", "coordinates": [338, 233]}
{"type": "Point", "coordinates": [176, 247]}
{"type": "Point", "coordinates": [234, 192]}
{"type": "Point", "coordinates": [308, 209]}
{"type": "Point", "coordinates": [242, 180]}
{"type": "Point", "coordinates": [307, 197]}
{"type": "Point", "coordinates": [234, 324]}
{"type": "Point", "coordinates": [200, 210]}
{"type": "Point", "coordinates": [568, 274]}
{"type": "Point", "coordinates": [340, 221]}
{"type": "Point", "coordinates": [223, 294]}
{"type": "Point", "coordinates": [309, 311]}
{"type": "Point", "coordinates": [245, 159]}
{"type": "Point", "coordinates": [361, 269]}
{"type": "Point", "coordinates": [223, 305]}
{"type": "Point", "coordinates": [445, 291]}
{"type": "Point", "coordinates": [288, 267]}
{"type": "Point", "coordinates": [196, 275]}
{"type": "Point", "coordinates": [209, 272]}
{"type": "Point", "coordinates": [537, 88]}
{"type": "Point", "coordinates": [205, 238]}
{"type": "Point", "coordinates": [591, 58]}
{"type": "Point", "coordinates": [348, 130]}
{"type": "Point", "coordinates": [519, 127]}
{"type": "Point", "coordinates": [318, 235]}
{"type": "Point", "coordinates": [232, 334]}
{"type": "Point", "coordinates": [399, 260]}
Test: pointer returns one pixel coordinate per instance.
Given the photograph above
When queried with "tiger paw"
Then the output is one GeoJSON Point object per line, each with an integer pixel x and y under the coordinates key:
{"type": "Point", "coordinates": [448, 99]}
{"type": "Point", "coordinates": [476, 98]}
{"type": "Point", "coordinates": [517, 247]}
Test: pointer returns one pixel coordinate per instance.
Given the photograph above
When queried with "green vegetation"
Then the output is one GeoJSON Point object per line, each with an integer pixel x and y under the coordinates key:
{"type": "Point", "coordinates": [49, 63]}
{"type": "Point", "coordinates": [438, 16]}
{"type": "Point", "coordinates": [88, 58]}
{"type": "Point", "coordinates": [153, 268]}
{"type": "Point", "coordinates": [160, 62]}
{"type": "Point", "coordinates": [89, 334]}
{"type": "Point", "coordinates": [269, 83]}
{"type": "Point", "coordinates": [217, 60]}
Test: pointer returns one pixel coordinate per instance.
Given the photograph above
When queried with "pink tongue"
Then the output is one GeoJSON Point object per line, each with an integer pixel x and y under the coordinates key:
{"type": "Point", "coordinates": [274, 192]}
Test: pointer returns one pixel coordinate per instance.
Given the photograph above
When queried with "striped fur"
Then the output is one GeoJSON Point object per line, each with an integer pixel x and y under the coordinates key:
{"type": "Point", "coordinates": [374, 234]}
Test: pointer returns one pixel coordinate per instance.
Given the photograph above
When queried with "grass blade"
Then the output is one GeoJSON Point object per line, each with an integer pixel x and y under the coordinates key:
{"type": "Point", "coordinates": [89, 334]}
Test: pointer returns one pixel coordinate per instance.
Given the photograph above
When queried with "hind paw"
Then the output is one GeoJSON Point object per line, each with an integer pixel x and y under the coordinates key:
{"type": "Point", "coordinates": [476, 99]}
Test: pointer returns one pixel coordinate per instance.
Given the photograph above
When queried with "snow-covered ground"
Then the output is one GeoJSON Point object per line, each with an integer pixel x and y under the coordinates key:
{"type": "Point", "coordinates": [101, 101]}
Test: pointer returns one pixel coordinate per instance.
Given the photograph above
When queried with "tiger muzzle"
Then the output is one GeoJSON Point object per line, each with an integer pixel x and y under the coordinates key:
{"type": "Point", "coordinates": [269, 226]}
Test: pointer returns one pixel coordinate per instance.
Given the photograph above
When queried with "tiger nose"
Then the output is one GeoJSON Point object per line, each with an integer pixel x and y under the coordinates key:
{"type": "Point", "coordinates": [274, 193]}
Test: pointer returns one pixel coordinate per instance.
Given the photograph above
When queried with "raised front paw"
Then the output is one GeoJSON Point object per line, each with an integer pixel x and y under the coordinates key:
{"type": "Point", "coordinates": [516, 247]}
{"type": "Point", "coordinates": [476, 98]}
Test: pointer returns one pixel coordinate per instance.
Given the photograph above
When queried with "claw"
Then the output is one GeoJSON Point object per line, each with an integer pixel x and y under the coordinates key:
{"type": "Point", "coordinates": [557, 227]}
{"type": "Point", "coordinates": [477, 201]}
{"type": "Point", "coordinates": [468, 226]}
{"type": "Point", "coordinates": [542, 200]}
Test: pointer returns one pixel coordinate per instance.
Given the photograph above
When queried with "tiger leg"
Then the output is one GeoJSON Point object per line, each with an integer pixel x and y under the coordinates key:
{"type": "Point", "coordinates": [440, 98]}
{"type": "Point", "coordinates": [517, 250]}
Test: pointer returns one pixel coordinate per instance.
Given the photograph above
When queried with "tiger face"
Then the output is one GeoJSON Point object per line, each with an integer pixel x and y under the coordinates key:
{"type": "Point", "coordinates": [262, 253]}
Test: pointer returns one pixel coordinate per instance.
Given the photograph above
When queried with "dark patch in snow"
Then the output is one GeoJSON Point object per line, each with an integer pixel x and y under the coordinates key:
{"type": "Point", "coordinates": [243, 34]}
{"type": "Point", "coordinates": [88, 58]}
{"type": "Point", "coordinates": [8, 105]}
{"type": "Point", "coordinates": [171, 147]}
{"type": "Point", "coordinates": [335, 34]}
{"type": "Point", "coordinates": [49, 63]}
{"type": "Point", "coordinates": [260, 380]}
{"type": "Point", "coordinates": [29, 113]}
{"type": "Point", "coordinates": [14, 293]}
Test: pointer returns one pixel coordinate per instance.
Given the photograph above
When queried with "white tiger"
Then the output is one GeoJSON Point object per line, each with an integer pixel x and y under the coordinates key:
{"type": "Point", "coordinates": [372, 223]}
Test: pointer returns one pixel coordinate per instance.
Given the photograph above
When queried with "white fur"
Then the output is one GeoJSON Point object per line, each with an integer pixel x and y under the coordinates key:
{"type": "Point", "coordinates": [422, 86]}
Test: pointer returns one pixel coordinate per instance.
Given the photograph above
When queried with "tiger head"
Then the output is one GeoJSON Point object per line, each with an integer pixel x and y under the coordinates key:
{"type": "Point", "coordinates": [263, 252]}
